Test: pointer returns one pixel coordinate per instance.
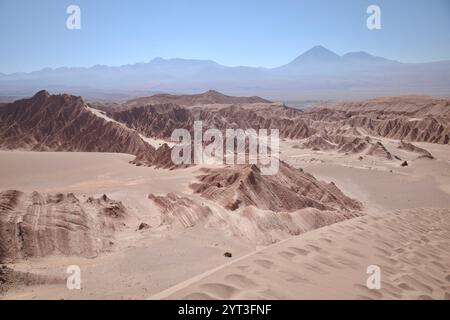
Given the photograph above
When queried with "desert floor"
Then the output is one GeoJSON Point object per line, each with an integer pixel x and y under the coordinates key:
{"type": "Point", "coordinates": [411, 246]}
{"type": "Point", "coordinates": [381, 184]}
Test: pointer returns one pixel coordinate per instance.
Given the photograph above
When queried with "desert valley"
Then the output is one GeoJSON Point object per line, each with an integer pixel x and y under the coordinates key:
{"type": "Point", "coordinates": [92, 184]}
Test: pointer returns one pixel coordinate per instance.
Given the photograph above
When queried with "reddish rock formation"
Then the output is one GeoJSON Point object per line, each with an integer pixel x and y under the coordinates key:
{"type": "Point", "coordinates": [63, 123]}
{"type": "Point", "coordinates": [412, 148]}
{"type": "Point", "coordinates": [37, 225]}
{"type": "Point", "coordinates": [262, 209]}
{"type": "Point", "coordinates": [156, 121]}
{"type": "Point", "coordinates": [379, 150]}
{"type": "Point", "coordinates": [209, 97]}
{"type": "Point", "coordinates": [290, 189]}
{"type": "Point", "coordinates": [413, 118]}
{"type": "Point", "coordinates": [159, 121]}
{"type": "Point", "coordinates": [182, 210]}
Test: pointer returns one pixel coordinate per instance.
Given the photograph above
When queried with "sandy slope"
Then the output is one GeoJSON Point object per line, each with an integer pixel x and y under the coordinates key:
{"type": "Point", "coordinates": [167, 255]}
{"type": "Point", "coordinates": [412, 248]}
{"type": "Point", "coordinates": [161, 256]}
{"type": "Point", "coordinates": [381, 184]}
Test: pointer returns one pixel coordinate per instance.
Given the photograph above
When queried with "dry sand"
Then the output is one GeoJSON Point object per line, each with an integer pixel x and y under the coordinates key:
{"type": "Point", "coordinates": [411, 247]}
{"type": "Point", "coordinates": [382, 185]}
{"type": "Point", "coordinates": [142, 262]}
{"type": "Point", "coordinates": [180, 252]}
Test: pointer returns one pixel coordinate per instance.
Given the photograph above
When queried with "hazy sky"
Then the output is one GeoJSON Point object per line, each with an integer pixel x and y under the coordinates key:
{"type": "Point", "coordinates": [232, 32]}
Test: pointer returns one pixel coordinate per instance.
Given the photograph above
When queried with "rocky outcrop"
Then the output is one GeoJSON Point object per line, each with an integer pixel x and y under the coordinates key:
{"type": "Point", "coordinates": [413, 118]}
{"type": "Point", "coordinates": [352, 145]}
{"type": "Point", "coordinates": [38, 225]}
{"type": "Point", "coordinates": [348, 145]}
{"type": "Point", "coordinates": [412, 148]}
{"type": "Point", "coordinates": [157, 121]}
{"type": "Point", "coordinates": [253, 224]}
{"type": "Point", "coordinates": [262, 209]}
{"type": "Point", "coordinates": [379, 150]}
{"type": "Point", "coordinates": [411, 106]}
{"type": "Point", "coordinates": [209, 97]}
{"type": "Point", "coordinates": [160, 159]}
{"type": "Point", "coordinates": [290, 189]}
{"type": "Point", "coordinates": [289, 122]}
{"type": "Point", "coordinates": [318, 142]}
{"type": "Point", "coordinates": [10, 278]}
{"type": "Point", "coordinates": [340, 143]}
{"type": "Point", "coordinates": [160, 121]}
{"type": "Point", "coordinates": [181, 210]}
{"type": "Point", "coordinates": [63, 123]}
{"type": "Point", "coordinates": [409, 118]}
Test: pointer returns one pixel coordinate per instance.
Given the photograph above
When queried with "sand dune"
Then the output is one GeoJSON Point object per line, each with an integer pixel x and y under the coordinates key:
{"type": "Point", "coordinates": [412, 248]}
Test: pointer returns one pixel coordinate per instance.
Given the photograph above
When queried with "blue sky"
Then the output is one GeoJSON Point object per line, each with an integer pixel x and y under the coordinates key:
{"type": "Point", "coordinates": [264, 33]}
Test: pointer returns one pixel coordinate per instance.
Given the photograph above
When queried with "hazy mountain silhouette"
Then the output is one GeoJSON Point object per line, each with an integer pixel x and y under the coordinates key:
{"type": "Point", "coordinates": [319, 73]}
{"type": "Point", "coordinates": [317, 54]}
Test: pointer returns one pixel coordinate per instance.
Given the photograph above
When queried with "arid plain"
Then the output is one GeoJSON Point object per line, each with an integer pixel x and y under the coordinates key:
{"type": "Point", "coordinates": [360, 183]}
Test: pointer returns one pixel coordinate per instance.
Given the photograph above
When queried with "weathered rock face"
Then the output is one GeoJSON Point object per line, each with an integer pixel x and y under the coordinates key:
{"type": "Point", "coordinates": [37, 225]}
{"type": "Point", "coordinates": [325, 141]}
{"type": "Point", "coordinates": [256, 225]}
{"type": "Point", "coordinates": [157, 121]}
{"type": "Point", "coordinates": [411, 106]}
{"type": "Point", "coordinates": [11, 278]}
{"type": "Point", "coordinates": [182, 210]}
{"type": "Point", "coordinates": [352, 145]}
{"type": "Point", "coordinates": [412, 148]}
{"type": "Point", "coordinates": [289, 122]}
{"type": "Point", "coordinates": [319, 142]}
{"type": "Point", "coordinates": [63, 123]}
{"type": "Point", "coordinates": [379, 150]}
{"type": "Point", "coordinates": [413, 118]}
{"type": "Point", "coordinates": [409, 118]}
{"type": "Point", "coordinates": [349, 144]}
{"type": "Point", "coordinates": [262, 209]}
{"type": "Point", "coordinates": [290, 189]}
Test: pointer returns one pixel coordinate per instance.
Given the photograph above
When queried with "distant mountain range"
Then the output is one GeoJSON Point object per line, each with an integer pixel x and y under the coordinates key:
{"type": "Point", "coordinates": [316, 74]}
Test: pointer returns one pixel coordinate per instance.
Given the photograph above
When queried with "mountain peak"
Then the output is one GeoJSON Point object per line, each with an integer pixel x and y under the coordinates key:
{"type": "Point", "coordinates": [213, 92]}
{"type": "Point", "coordinates": [357, 54]}
{"type": "Point", "coordinates": [42, 94]}
{"type": "Point", "coordinates": [317, 54]}
{"type": "Point", "coordinates": [319, 48]}
{"type": "Point", "coordinates": [320, 51]}
{"type": "Point", "coordinates": [360, 55]}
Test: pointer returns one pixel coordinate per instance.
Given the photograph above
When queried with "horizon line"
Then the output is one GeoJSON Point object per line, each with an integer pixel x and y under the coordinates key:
{"type": "Point", "coordinates": [213, 61]}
